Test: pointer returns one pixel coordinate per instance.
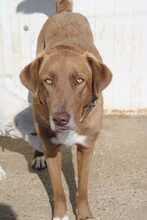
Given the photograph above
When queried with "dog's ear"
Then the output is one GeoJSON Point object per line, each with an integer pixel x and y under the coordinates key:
{"type": "Point", "coordinates": [101, 74]}
{"type": "Point", "coordinates": [29, 75]}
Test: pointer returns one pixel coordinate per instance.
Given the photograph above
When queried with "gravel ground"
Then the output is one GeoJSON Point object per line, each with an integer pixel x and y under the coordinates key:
{"type": "Point", "coordinates": [117, 183]}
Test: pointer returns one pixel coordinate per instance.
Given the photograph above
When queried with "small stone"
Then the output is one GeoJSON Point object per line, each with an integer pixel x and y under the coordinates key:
{"type": "Point", "coordinates": [2, 173]}
{"type": "Point", "coordinates": [26, 27]}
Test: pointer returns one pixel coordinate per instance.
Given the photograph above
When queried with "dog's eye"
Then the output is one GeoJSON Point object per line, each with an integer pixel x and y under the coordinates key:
{"type": "Point", "coordinates": [79, 81]}
{"type": "Point", "coordinates": [49, 81]}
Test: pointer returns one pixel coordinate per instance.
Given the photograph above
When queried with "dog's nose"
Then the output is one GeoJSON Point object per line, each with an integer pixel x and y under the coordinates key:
{"type": "Point", "coordinates": [61, 118]}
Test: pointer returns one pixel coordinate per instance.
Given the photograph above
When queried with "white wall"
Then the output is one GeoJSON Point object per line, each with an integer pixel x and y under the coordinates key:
{"type": "Point", "coordinates": [120, 32]}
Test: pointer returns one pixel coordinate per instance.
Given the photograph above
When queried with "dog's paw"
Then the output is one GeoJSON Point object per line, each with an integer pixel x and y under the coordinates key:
{"type": "Point", "coordinates": [64, 218]}
{"type": "Point", "coordinates": [87, 218]}
{"type": "Point", "coordinates": [39, 162]}
{"type": "Point", "coordinates": [85, 214]}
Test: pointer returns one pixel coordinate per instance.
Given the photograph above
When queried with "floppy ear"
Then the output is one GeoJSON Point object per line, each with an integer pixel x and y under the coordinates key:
{"type": "Point", "coordinates": [29, 75]}
{"type": "Point", "coordinates": [101, 74]}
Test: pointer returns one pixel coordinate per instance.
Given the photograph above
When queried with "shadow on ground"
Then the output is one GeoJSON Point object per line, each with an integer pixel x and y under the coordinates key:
{"type": "Point", "coordinates": [7, 213]}
{"type": "Point", "coordinates": [21, 147]}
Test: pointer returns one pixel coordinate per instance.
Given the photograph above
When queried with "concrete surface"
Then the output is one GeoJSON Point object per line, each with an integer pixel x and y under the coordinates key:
{"type": "Point", "coordinates": [117, 183]}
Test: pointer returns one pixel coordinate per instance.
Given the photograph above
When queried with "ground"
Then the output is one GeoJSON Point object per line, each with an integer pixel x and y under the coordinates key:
{"type": "Point", "coordinates": [117, 182]}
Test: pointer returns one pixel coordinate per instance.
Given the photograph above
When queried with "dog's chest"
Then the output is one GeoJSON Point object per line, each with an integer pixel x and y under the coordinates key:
{"type": "Point", "coordinates": [69, 138]}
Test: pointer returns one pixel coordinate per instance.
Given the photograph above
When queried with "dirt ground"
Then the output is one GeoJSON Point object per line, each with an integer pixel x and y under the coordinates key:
{"type": "Point", "coordinates": [117, 183]}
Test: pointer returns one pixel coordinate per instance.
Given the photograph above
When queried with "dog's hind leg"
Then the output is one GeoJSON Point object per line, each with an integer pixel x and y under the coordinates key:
{"type": "Point", "coordinates": [39, 161]}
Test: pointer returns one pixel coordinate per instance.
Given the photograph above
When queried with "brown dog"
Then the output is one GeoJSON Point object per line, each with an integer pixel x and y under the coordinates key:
{"type": "Point", "coordinates": [66, 80]}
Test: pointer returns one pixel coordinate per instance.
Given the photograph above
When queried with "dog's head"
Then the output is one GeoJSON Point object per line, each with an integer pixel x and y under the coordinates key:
{"type": "Point", "coordinates": [65, 81]}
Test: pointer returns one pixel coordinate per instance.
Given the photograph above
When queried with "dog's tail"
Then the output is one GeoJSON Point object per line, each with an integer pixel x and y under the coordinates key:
{"type": "Point", "coordinates": [64, 5]}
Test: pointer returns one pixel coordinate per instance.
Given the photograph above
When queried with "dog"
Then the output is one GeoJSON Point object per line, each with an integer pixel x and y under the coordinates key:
{"type": "Point", "coordinates": [66, 81]}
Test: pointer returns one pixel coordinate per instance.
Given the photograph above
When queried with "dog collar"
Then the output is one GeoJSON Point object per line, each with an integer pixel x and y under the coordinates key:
{"type": "Point", "coordinates": [88, 108]}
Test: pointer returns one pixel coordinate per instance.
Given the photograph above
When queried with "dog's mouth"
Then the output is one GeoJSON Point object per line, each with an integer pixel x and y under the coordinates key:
{"type": "Point", "coordinates": [62, 128]}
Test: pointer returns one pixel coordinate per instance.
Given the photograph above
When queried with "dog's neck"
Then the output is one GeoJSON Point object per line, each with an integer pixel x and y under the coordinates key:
{"type": "Point", "coordinates": [88, 108]}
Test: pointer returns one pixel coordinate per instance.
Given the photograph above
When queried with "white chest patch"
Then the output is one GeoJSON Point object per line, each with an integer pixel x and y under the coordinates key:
{"type": "Point", "coordinates": [69, 138]}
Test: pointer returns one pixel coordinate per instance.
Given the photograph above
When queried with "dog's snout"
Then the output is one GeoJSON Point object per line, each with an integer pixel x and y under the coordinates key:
{"type": "Point", "coordinates": [61, 118]}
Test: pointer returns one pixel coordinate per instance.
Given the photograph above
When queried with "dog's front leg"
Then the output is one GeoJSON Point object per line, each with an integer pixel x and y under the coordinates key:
{"type": "Point", "coordinates": [54, 168]}
{"type": "Point", "coordinates": [53, 159]}
{"type": "Point", "coordinates": [83, 160]}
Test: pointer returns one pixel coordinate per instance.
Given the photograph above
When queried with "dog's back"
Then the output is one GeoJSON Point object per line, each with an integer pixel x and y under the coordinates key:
{"type": "Point", "coordinates": [68, 29]}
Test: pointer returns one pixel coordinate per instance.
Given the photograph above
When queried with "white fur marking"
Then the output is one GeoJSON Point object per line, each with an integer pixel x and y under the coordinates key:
{"type": "Point", "coordinates": [64, 218]}
{"type": "Point", "coordinates": [38, 165]}
{"type": "Point", "coordinates": [2, 173]}
{"type": "Point", "coordinates": [52, 125]}
{"type": "Point", "coordinates": [69, 138]}
{"type": "Point", "coordinates": [39, 162]}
